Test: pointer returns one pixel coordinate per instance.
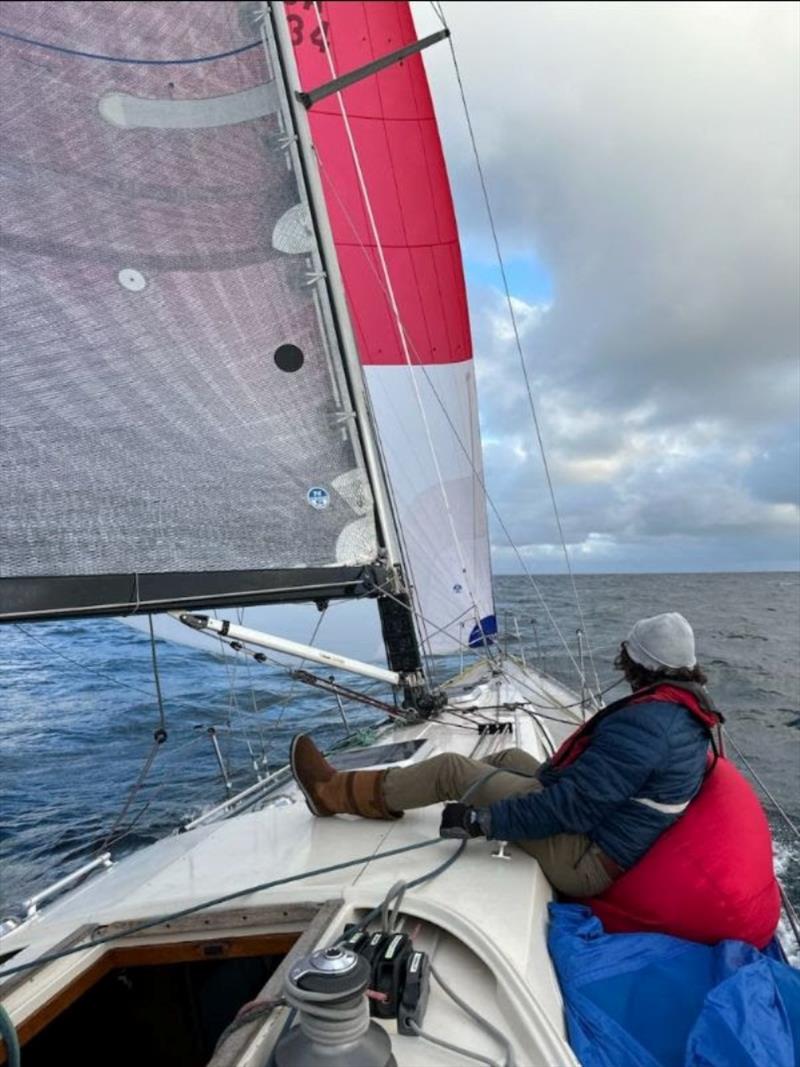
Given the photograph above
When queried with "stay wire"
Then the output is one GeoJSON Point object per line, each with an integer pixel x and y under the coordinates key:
{"type": "Point", "coordinates": [757, 778]}
{"type": "Point", "coordinates": [404, 341]}
{"type": "Point", "coordinates": [478, 474]}
{"type": "Point", "coordinates": [517, 338]}
{"type": "Point", "coordinates": [96, 672]}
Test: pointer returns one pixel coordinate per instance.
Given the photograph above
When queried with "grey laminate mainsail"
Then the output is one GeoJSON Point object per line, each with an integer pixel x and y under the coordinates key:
{"type": "Point", "coordinates": [175, 415]}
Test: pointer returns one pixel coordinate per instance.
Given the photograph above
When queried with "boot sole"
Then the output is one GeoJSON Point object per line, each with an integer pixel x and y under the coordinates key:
{"type": "Point", "coordinates": [309, 801]}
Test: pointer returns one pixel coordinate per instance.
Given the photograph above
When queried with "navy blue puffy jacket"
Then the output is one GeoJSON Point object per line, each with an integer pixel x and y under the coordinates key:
{"type": "Point", "coordinates": [653, 750]}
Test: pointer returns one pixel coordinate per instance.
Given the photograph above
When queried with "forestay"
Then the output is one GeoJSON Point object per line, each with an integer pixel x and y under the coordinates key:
{"type": "Point", "coordinates": [394, 227]}
{"type": "Point", "coordinates": [177, 424]}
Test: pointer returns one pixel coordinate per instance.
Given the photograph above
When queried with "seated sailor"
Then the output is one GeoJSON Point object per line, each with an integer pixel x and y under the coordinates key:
{"type": "Point", "coordinates": [590, 811]}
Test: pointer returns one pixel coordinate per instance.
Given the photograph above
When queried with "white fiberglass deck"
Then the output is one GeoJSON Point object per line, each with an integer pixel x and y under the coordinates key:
{"type": "Point", "coordinates": [483, 920]}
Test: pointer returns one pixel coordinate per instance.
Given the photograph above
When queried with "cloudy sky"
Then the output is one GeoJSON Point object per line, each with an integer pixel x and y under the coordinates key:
{"type": "Point", "coordinates": [642, 160]}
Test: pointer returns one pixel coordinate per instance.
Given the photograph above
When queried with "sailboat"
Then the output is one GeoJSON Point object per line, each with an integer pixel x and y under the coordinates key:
{"type": "Point", "coordinates": [240, 373]}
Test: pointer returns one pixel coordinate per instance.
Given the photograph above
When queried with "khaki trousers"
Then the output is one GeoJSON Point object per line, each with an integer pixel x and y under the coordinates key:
{"type": "Point", "coordinates": [570, 861]}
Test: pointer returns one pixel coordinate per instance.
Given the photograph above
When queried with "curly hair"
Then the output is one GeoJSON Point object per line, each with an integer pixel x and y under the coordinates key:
{"type": "Point", "coordinates": [640, 676]}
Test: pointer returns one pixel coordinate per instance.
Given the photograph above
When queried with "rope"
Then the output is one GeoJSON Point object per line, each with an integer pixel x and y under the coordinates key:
{"type": "Point", "coordinates": [231, 668]}
{"type": "Point", "coordinates": [131, 796]}
{"type": "Point", "coordinates": [518, 341]}
{"type": "Point", "coordinates": [10, 1038]}
{"type": "Point", "coordinates": [396, 313]}
{"type": "Point", "coordinates": [453, 1048]}
{"type": "Point", "coordinates": [256, 710]}
{"type": "Point", "coordinates": [127, 59]}
{"type": "Point", "coordinates": [495, 1033]}
{"type": "Point", "coordinates": [49, 957]}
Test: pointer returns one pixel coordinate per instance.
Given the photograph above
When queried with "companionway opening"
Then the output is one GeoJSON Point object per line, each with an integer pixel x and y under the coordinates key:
{"type": "Point", "coordinates": [167, 1001]}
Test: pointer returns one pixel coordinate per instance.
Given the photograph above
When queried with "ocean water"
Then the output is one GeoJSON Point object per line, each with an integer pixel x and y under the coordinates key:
{"type": "Point", "coordinates": [78, 711]}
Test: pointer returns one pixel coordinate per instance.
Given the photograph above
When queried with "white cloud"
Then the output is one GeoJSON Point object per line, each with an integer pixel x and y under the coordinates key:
{"type": "Point", "coordinates": [648, 154]}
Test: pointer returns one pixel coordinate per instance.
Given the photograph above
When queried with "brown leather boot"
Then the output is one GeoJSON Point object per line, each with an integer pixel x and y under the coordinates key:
{"type": "Point", "coordinates": [330, 792]}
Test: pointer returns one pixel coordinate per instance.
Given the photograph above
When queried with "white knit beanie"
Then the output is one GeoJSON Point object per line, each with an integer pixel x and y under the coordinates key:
{"type": "Point", "coordinates": [663, 641]}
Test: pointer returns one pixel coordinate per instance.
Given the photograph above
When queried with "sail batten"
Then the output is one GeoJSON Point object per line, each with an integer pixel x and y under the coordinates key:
{"type": "Point", "coordinates": [174, 403]}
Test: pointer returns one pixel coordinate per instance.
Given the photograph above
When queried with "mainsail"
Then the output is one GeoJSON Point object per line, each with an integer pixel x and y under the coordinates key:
{"type": "Point", "coordinates": [394, 227]}
{"type": "Point", "coordinates": [178, 426]}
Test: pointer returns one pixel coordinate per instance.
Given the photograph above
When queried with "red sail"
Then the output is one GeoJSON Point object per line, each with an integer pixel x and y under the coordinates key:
{"type": "Point", "coordinates": [424, 399]}
{"type": "Point", "coordinates": [394, 127]}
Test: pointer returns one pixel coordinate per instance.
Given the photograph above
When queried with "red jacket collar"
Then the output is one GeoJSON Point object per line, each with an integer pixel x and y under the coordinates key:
{"type": "Point", "coordinates": [674, 694]}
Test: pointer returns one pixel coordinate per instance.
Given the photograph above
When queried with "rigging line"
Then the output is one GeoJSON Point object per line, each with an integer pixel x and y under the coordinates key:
{"type": "Point", "coordinates": [518, 342]}
{"type": "Point", "coordinates": [437, 9]}
{"type": "Point", "coordinates": [547, 740]}
{"type": "Point", "coordinates": [476, 473]}
{"type": "Point", "coordinates": [251, 683]}
{"type": "Point", "coordinates": [438, 629]}
{"type": "Point", "coordinates": [776, 803]}
{"type": "Point", "coordinates": [531, 709]}
{"type": "Point", "coordinates": [577, 703]}
{"type": "Point", "coordinates": [525, 682]}
{"type": "Point", "coordinates": [49, 957]}
{"type": "Point", "coordinates": [127, 59]}
{"type": "Point", "coordinates": [137, 785]}
{"type": "Point", "coordinates": [293, 687]}
{"type": "Point", "coordinates": [790, 911]}
{"type": "Point", "coordinates": [233, 703]}
{"type": "Point", "coordinates": [396, 313]}
{"type": "Point", "coordinates": [157, 680]}
{"type": "Point", "coordinates": [98, 673]}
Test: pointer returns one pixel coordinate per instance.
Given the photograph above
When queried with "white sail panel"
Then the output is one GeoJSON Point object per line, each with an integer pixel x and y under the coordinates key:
{"type": "Point", "coordinates": [444, 522]}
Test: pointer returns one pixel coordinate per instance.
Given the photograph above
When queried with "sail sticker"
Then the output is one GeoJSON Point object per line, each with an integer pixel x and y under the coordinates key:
{"type": "Point", "coordinates": [293, 233]}
{"type": "Point", "coordinates": [131, 279]}
{"type": "Point", "coordinates": [318, 497]}
{"type": "Point", "coordinates": [289, 358]}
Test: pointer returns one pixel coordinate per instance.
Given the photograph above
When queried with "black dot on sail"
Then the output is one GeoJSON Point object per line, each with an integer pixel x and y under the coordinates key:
{"type": "Point", "coordinates": [289, 358]}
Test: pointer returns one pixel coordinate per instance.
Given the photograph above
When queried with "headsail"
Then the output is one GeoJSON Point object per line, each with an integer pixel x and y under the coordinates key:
{"type": "Point", "coordinates": [398, 248]}
{"type": "Point", "coordinates": [177, 423]}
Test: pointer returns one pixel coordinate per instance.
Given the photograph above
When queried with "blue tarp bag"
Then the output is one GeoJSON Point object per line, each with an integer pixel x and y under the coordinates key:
{"type": "Point", "coordinates": [649, 1000]}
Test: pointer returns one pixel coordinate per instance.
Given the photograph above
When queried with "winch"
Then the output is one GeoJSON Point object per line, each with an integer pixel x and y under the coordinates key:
{"type": "Point", "coordinates": [334, 1027]}
{"type": "Point", "coordinates": [328, 990]}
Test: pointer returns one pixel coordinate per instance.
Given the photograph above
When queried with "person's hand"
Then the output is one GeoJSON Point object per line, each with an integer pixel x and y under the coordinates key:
{"type": "Point", "coordinates": [460, 821]}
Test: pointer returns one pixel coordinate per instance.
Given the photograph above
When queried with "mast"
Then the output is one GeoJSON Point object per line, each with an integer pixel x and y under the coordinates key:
{"type": "Point", "coordinates": [396, 610]}
{"type": "Point", "coordinates": [301, 149]}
